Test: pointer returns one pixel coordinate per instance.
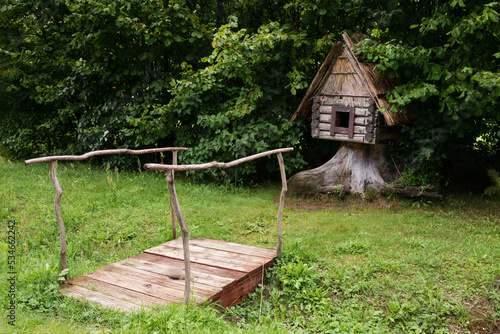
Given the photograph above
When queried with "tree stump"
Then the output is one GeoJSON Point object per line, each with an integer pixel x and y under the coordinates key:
{"type": "Point", "coordinates": [353, 169]}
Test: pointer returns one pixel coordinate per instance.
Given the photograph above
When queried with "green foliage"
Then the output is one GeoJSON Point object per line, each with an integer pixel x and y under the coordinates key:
{"type": "Point", "coordinates": [233, 103]}
{"type": "Point", "coordinates": [370, 194]}
{"type": "Point", "coordinates": [447, 75]}
{"type": "Point", "coordinates": [352, 247]}
{"type": "Point", "coordinates": [95, 67]}
{"type": "Point", "coordinates": [354, 267]}
{"type": "Point", "coordinates": [424, 313]}
{"type": "Point", "coordinates": [301, 284]}
{"type": "Point", "coordinates": [139, 73]}
{"type": "Point", "coordinates": [299, 292]}
{"type": "Point", "coordinates": [494, 189]}
{"type": "Point", "coordinates": [414, 178]}
{"type": "Point", "coordinates": [224, 78]}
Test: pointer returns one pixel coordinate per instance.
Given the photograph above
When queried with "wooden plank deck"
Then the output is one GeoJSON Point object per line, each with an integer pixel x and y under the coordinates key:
{"type": "Point", "coordinates": [222, 272]}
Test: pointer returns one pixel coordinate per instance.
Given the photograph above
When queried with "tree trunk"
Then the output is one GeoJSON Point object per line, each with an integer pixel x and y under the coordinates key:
{"type": "Point", "coordinates": [354, 168]}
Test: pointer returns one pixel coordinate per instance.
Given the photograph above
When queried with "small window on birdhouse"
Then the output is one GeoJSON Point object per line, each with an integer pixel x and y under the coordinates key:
{"type": "Point", "coordinates": [342, 121]}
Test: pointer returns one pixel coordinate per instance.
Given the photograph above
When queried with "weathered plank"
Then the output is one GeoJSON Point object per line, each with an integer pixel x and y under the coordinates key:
{"type": "Point", "coordinates": [361, 112]}
{"type": "Point", "coordinates": [357, 129]}
{"type": "Point", "coordinates": [360, 102]}
{"type": "Point", "coordinates": [235, 248]}
{"type": "Point", "coordinates": [225, 254]}
{"type": "Point", "coordinates": [80, 293]}
{"type": "Point", "coordinates": [363, 120]}
{"type": "Point", "coordinates": [325, 110]}
{"type": "Point", "coordinates": [179, 265]}
{"type": "Point", "coordinates": [151, 279]}
{"type": "Point", "coordinates": [360, 129]}
{"type": "Point", "coordinates": [199, 257]}
{"type": "Point", "coordinates": [358, 120]}
{"type": "Point", "coordinates": [341, 137]}
{"type": "Point", "coordinates": [255, 253]}
{"type": "Point", "coordinates": [325, 118]}
{"type": "Point", "coordinates": [172, 293]}
{"type": "Point", "coordinates": [238, 291]}
{"type": "Point", "coordinates": [131, 296]}
{"type": "Point", "coordinates": [201, 290]}
{"type": "Point", "coordinates": [176, 273]}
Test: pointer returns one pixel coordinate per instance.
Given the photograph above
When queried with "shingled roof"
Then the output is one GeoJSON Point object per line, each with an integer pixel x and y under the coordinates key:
{"type": "Point", "coordinates": [366, 81]}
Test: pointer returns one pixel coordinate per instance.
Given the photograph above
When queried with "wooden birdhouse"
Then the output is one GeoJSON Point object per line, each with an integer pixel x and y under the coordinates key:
{"type": "Point", "coordinates": [346, 97]}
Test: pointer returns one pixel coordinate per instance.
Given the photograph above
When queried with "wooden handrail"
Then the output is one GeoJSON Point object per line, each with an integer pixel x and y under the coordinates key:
{"type": "Point", "coordinates": [57, 203]}
{"type": "Point", "coordinates": [102, 152]}
{"type": "Point", "coordinates": [174, 201]}
{"type": "Point", "coordinates": [215, 164]}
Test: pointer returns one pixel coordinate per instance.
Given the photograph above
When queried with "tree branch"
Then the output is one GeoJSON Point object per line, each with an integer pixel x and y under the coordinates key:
{"type": "Point", "coordinates": [57, 208]}
{"type": "Point", "coordinates": [102, 152]}
{"type": "Point", "coordinates": [215, 163]}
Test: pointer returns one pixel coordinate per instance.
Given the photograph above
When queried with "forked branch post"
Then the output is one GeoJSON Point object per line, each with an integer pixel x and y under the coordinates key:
{"type": "Point", "coordinates": [282, 204]}
{"type": "Point", "coordinates": [174, 162]}
{"type": "Point", "coordinates": [57, 208]}
{"type": "Point", "coordinates": [174, 201]}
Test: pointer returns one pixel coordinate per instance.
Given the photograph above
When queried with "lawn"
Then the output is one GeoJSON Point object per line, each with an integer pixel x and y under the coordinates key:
{"type": "Point", "coordinates": [349, 266]}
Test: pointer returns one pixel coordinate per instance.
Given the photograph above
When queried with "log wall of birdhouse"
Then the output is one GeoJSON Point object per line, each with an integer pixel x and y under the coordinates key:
{"type": "Point", "coordinates": [365, 123]}
{"type": "Point", "coordinates": [343, 87]}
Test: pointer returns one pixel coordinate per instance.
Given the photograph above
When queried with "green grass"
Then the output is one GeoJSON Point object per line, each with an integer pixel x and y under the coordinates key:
{"type": "Point", "coordinates": [348, 267]}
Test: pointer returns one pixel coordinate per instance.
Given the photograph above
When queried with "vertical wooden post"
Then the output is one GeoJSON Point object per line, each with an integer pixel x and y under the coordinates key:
{"type": "Point", "coordinates": [185, 237]}
{"type": "Point", "coordinates": [57, 208]}
{"type": "Point", "coordinates": [282, 203]}
{"type": "Point", "coordinates": [174, 162]}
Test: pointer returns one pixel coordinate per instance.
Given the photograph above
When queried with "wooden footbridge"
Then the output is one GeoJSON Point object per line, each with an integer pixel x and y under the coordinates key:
{"type": "Point", "coordinates": [205, 270]}
{"type": "Point", "coordinates": [221, 272]}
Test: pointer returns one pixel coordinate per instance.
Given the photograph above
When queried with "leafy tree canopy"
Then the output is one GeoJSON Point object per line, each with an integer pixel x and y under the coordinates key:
{"type": "Point", "coordinates": [447, 70]}
{"type": "Point", "coordinates": [224, 77]}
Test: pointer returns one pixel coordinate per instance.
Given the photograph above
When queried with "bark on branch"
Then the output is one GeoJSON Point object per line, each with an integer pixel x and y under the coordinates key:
{"type": "Point", "coordinates": [174, 202]}
{"type": "Point", "coordinates": [409, 191]}
{"type": "Point", "coordinates": [174, 162]}
{"type": "Point", "coordinates": [57, 208]}
{"type": "Point", "coordinates": [282, 204]}
{"type": "Point", "coordinates": [52, 167]}
{"type": "Point", "coordinates": [102, 152]}
{"type": "Point", "coordinates": [215, 164]}
{"type": "Point", "coordinates": [185, 237]}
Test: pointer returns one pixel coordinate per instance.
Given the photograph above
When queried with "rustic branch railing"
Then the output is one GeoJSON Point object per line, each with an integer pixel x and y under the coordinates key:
{"type": "Point", "coordinates": [215, 163]}
{"type": "Point", "coordinates": [174, 202]}
{"type": "Point", "coordinates": [177, 209]}
{"type": "Point", "coordinates": [52, 167]}
{"type": "Point", "coordinates": [103, 152]}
